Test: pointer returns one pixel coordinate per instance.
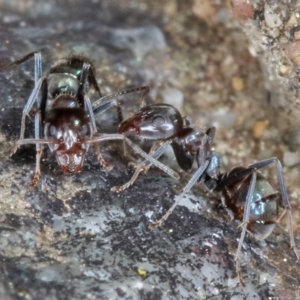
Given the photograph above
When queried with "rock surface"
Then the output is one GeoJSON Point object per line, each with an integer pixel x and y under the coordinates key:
{"type": "Point", "coordinates": [71, 238]}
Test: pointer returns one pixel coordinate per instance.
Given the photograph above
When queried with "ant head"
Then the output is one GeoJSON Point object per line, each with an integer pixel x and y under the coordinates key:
{"type": "Point", "coordinates": [69, 129]}
{"type": "Point", "coordinates": [155, 122]}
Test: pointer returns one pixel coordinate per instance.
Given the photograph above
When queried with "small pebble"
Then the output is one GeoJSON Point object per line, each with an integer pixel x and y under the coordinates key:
{"type": "Point", "coordinates": [170, 8]}
{"type": "Point", "coordinates": [242, 10]}
{"type": "Point", "coordinates": [292, 51]}
{"type": "Point", "coordinates": [291, 158]}
{"type": "Point", "coordinates": [204, 10]}
{"type": "Point", "coordinates": [284, 69]}
{"type": "Point", "coordinates": [272, 16]}
{"type": "Point", "coordinates": [238, 83]}
{"type": "Point", "coordinates": [140, 41]}
{"type": "Point", "coordinates": [259, 128]}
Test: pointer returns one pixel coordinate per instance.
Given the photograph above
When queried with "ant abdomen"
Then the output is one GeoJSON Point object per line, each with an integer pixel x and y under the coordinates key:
{"type": "Point", "coordinates": [62, 83]}
{"type": "Point", "coordinates": [64, 76]}
{"type": "Point", "coordinates": [264, 203]}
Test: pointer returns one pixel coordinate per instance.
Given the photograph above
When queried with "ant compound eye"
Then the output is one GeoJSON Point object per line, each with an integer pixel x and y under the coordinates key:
{"type": "Point", "coordinates": [52, 130]}
{"type": "Point", "coordinates": [157, 121]}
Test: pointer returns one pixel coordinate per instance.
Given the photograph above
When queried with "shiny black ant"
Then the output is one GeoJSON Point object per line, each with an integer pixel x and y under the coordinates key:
{"type": "Point", "coordinates": [246, 195]}
{"type": "Point", "coordinates": [65, 117]}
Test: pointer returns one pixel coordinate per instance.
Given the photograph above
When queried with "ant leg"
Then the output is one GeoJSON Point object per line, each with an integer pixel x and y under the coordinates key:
{"type": "Point", "coordinates": [152, 160]}
{"type": "Point", "coordinates": [210, 132]}
{"type": "Point", "coordinates": [137, 149]}
{"type": "Point", "coordinates": [81, 92]}
{"type": "Point", "coordinates": [156, 151]}
{"type": "Point", "coordinates": [102, 161]}
{"type": "Point", "coordinates": [106, 102]}
{"type": "Point", "coordinates": [82, 83]}
{"type": "Point", "coordinates": [228, 211]}
{"type": "Point", "coordinates": [37, 86]}
{"type": "Point", "coordinates": [20, 60]}
{"type": "Point", "coordinates": [103, 104]}
{"type": "Point", "coordinates": [184, 159]}
{"type": "Point", "coordinates": [42, 100]}
{"type": "Point", "coordinates": [197, 176]}
{"type": "Point", "coordinates": [263, 163]}
{"type": "Point", "coordinates": [88, 106]}
{"type": "Point", "coordinates": [28, 107]}
{"type": "Point", "coordinates": [39, 150]}
{"type": "Point", "coordinates": [43, 97]}
{"type": "Point", "coordinates": [37, 64]}
{"type": "Point", "coordinates": [35, 141]}
{"type": "Point", "coordinates": [39, 119]}
{"type": "Point", "coordinates": [287, 207]}
{"type": "Point", "coordinates": [37, 67]}
{"type": "Point", "coordinates": [244, 225]}
{"type": "Point", "coordinates": [89, 109]}
{"type": "Point", "coordinates": [94, 81]}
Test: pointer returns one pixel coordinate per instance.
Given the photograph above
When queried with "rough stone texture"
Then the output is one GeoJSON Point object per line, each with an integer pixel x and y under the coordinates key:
{"type": "Point", "coordinates": [71, 238]}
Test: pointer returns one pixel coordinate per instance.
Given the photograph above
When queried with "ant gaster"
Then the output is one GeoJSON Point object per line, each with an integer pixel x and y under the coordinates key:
{"type": "Point", "coordinates": [65, 117]}
{"type": "Point", "coordinates": [246, 194]}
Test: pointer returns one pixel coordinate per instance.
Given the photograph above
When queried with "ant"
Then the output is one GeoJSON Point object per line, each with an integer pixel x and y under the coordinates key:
{"type": "Point", "coordinates": [164, 124]}
{"type": "Point", "coordinates": [246, 195]}
{"type": "Point", "coordinates": [65, 117]}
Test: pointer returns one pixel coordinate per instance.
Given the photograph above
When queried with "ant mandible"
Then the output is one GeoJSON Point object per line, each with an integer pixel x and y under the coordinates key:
{"type": "Point", "coordinates": [65, 117]}
{"type": "Point", "coordinates": [246, 194]}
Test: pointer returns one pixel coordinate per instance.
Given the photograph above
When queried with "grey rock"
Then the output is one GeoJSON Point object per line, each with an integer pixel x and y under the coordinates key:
{"type": "Point", "coordinates": [71, 238]}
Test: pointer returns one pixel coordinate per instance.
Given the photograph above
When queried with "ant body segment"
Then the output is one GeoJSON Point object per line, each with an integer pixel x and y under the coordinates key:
{"type": "Point", "coordinates": [65, 117]}
{"type": "Point", "coordinates": [245, 193]}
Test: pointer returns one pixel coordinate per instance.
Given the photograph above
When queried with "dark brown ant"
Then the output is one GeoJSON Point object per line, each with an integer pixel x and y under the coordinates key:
{"type": "Point", "coordinates": [246, 194]}
{"type": "Point", "coordinates": [165, 125]}
{"type": "Point", "coordinates": [65, 117]}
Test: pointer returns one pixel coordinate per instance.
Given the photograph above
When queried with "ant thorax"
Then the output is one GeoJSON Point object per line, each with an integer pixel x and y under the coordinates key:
{"type": "Point", "coordinates": [64, 76]}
